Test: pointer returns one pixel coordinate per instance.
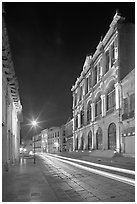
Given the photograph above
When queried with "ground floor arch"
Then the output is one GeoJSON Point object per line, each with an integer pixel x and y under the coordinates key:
{"type": "Point", "coordinates": [112, 136]}
{"type": "Point", "coordinates": [90, 140]}
{"type": "Point", "coordinates": [82, 143]}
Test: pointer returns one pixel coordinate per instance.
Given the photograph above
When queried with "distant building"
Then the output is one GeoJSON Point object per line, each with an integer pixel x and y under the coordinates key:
{"type": "Point", "coordinates": [11, 105]}
{"type": "Point", "coordinates": [128, 113]}
{"type": "Point", "coordinates": [28, 146]}
{"type": "Point", "coordinates": [37, 142]}
{"type": "Point", "coordinates": [97, 93]}
{"type": "Point", "coordinates": [69, 135]}
{"type": "Point", "coordinates": [54, 139]}
{"type": "Point", "coordinates": [44, 140]}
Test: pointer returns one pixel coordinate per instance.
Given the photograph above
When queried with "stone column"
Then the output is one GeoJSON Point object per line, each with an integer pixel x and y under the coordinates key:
{"type": "Point", "coordinates": [118, 135]}
{"type": "Point", "coordinates": [103, 104]}
{"type": "Point", "coordinates": [92, 112]}
{"type": "Point", "coordinates": [118, 95]}
{"type": "Point", "coordinates": [79, 120]}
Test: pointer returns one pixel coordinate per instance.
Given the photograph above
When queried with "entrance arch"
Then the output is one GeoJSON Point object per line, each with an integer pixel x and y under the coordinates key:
{"type": "Point", "coordinates": [99, 138]}
{"type": "Point", "coordinates": [82, 143]}
{"type": "Point", "coordinates": [112, 136]}
{"type": "Point", "coordinates": [90, 140]}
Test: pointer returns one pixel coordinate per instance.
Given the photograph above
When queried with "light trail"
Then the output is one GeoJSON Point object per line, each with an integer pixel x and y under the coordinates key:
{"type": "Point", "coordinates": [98, 165]}
{"type": "Point", "coordinates": [102, 173]}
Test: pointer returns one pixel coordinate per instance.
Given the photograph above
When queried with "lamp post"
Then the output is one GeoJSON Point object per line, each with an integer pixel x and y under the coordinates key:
{"type": "Point", "coordinates": [34, 124]}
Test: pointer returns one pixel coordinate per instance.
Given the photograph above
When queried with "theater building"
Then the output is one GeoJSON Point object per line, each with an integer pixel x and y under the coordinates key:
{"type": "Point", "coordinates": [97, 93]}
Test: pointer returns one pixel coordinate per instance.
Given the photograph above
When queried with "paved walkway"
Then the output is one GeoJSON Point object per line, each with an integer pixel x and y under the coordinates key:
{"type": "Point", "coordinates": [25, 183]}
{"type": "Point", "coordinates": [29, 182]}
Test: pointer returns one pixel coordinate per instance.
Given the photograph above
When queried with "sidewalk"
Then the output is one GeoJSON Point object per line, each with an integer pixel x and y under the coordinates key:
{"type": "Point", "coordinates": [26, 183]}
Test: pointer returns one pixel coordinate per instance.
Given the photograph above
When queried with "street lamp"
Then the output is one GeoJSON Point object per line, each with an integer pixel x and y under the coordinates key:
{"type": "Point", "coordinates": [34, 124]}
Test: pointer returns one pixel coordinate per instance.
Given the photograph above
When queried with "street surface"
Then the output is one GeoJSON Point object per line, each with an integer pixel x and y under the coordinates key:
{"type": "Point", "coordinates": [60, 178]}
{"type": "Point", "coordinates": [89, 182]}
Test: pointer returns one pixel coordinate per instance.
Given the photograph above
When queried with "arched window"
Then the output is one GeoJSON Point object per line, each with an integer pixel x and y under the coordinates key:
{"type": "Point", "coordinates": [99, 143]}
{"type": "Point", "coordinates": [112, 136]}
{"type": "Point", "coordinates": [98, 109]}
{"type": "Point", "coordinates": [82, 143]}
{"type": "Point", "coordinates": [89, 112]}
{"type": "Point", "coordinates": [111, 98]}
{"type": "Point", "coordinates": [90, 140]}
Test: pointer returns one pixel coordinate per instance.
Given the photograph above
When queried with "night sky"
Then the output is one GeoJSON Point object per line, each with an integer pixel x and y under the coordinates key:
{"type": "Point", "coordinates": [49, 42]}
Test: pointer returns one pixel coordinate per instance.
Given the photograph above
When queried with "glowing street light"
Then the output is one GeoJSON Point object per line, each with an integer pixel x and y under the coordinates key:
{"type": "Point", "coordinates": [34, 123]}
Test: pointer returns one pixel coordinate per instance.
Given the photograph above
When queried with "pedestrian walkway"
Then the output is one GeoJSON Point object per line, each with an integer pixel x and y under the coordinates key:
{"type": "Point", "coordinates": [26, 183]}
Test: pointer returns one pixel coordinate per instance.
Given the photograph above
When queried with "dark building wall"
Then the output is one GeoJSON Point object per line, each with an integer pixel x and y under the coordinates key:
{"type": "Point", "coordinates": [126, 48]}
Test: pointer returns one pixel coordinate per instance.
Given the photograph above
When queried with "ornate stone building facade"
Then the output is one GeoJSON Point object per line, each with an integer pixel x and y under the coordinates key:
{"type": "Point", "coordinates": [97, 93]}
{"type": "Point", "coordinates": [11, 106]}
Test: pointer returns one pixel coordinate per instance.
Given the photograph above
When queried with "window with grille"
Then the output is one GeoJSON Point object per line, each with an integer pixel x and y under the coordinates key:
{"type": "Point", "coordinates": [111, 99]}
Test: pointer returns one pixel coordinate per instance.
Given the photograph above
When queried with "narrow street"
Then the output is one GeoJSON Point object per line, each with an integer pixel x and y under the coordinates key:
{"type": "Point", "coordinates": [60, 179]}
{"type": "Point", "coordinates": [91, 183]}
